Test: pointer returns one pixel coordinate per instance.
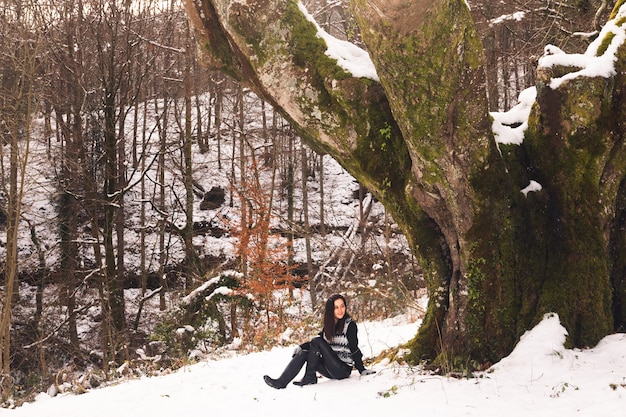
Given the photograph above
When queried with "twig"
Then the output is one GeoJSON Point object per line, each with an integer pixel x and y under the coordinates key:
{"type": "Point", "coordinates": [80, 310]}
{"type": "Point", "coordinates": [145, 298]}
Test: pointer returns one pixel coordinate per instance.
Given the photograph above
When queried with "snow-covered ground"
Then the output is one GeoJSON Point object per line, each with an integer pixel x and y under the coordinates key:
{"type": "Point", "coordinates": [540, 378]}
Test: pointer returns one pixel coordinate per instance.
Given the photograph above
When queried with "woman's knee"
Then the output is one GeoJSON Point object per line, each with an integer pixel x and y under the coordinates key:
{"type": "Point", "coordinates": [315, 342]}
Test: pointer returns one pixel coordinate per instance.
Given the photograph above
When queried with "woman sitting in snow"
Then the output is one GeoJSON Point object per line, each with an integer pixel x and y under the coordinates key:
{"type": "Point", "coordinates": [333, 353]}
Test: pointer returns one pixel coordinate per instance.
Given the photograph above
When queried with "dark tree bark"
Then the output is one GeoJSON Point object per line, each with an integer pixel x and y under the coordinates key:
{"type": "Point", "coordinates": [419, 137]}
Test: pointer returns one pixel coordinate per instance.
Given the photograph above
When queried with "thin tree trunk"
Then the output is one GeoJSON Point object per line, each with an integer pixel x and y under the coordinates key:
{"type": "Point", "coordinates": [192, 261]}
{"type": "Point", "coordinates": [242, 176]}
{"type": "Point", "coordinates": [41, 280]}
{"type": "Point", "coordinates": [142, 214]}
{"type": "Point", "coordinates": [135, 133]}
{"type": "Point", "coordinates": [162, 125]}
{"type": "Point", "coordinates": [201, 135]}
{"type": "Point", "coordinates": [17, 113]}
{"type": "Point", "coordinates": [219, 96]}
{"type": "Point", "coordinates": [10, 277]}
{"type": "Point", "coordinates": [307, 227]}
{"type": "Point", "coordinates": [321, 180]}
{"type": "Point", "coordinates": [115, 291]}
{"type": "Point", "coordinates": [120, 212]}
{"type": "Point", "coordinates": [289, 184]}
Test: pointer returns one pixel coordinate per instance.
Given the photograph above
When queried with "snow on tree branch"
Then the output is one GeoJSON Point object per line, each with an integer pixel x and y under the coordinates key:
{"type": "Point", "coordinates": [350, 57]}
{"type": "Point", "coordinates": [599, 58]}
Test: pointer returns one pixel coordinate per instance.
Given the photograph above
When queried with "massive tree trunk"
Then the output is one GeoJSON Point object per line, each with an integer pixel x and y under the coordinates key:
{"type": "Point", "coordinates": [417, 133]}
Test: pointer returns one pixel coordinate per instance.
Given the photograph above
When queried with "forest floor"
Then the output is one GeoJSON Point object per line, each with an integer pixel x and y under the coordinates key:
{"type": "Point", "coordinates": [540, 377]}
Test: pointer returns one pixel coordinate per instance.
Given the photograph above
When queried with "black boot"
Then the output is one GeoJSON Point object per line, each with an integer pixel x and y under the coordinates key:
{"type": "Point", "coordinates": [310, 375]}
{"type": "Point", "coordinates": [290, 372]}
{"type": "Point", "coordinates": [274, 383]}
{"type": "Point", "coordinates": [307, 380]}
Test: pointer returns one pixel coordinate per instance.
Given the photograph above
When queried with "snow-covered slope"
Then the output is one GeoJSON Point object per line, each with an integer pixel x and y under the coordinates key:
{"type": "Point", "coordinates": [539, 378]}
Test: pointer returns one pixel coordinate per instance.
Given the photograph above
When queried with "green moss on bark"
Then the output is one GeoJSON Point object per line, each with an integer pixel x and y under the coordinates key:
{"type": "Point", "coordinates": [422, 75]}
{"type": "Point", "coordinates": [605, 43]}
{"type": "Point", "coordinates": [568, 142]}
{"type": "Point", "coordinates": [435, 262]}
{"type": "Point", "coordinates": [493, 305]}
{"type": "Point", "coordinates": [618, 5]}
{"type": "Point", "coordinates": [615, 185]}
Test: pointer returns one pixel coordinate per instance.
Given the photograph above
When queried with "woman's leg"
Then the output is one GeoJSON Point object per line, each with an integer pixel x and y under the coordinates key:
{"type": "Point", "coordinates": [290, 372]}
{"type": "Point", "coordinates": [322, 358]}
{"type": "Point", "coordinates": [330, 365]}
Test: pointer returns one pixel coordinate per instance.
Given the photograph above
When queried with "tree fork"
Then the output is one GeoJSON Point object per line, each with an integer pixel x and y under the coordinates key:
{"type": "Point", "coordinates": [421, 141]}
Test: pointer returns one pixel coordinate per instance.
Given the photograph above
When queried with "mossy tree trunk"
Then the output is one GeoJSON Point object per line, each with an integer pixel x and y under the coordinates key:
{"type": "Point", "coordinates": [420, 139]}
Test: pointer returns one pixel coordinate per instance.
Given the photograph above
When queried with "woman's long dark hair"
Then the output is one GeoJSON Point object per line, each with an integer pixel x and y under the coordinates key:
{"type": "Point", "coordinates": [330, 328]}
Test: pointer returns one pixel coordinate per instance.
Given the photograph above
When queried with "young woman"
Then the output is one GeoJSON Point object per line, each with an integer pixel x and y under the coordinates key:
{"type": "Point", "coordinates": [333, 353]}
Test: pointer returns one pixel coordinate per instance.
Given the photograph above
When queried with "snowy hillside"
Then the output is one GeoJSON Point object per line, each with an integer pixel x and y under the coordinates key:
{"type": "Point", "coordinates": [376, 263]}
{"type": "Point", "coordinates": [539, 378]}
{"type": "Point", "coordinates": [212, 168]}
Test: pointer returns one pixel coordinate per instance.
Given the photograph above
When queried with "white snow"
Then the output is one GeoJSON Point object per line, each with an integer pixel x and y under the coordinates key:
{"type": "Point", "coordinates": [220, 291]}
{"type": "Point", "coordinates": [533, 187]}
{"type": "Point", "coordinates": [350, 57]}
{"type": "Point", "coordinates": [193, 294]}
{"type": "Point", "coordinates": [509, 127]}
{"type": "Point", "coordinates": [540, 377]}
{"type": "Point", "coordinates": [590, 63]}
{"type": "Point", "coordinates": [517, 16]}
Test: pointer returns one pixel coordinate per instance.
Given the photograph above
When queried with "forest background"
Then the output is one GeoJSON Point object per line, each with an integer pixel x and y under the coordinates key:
{"type": "Point", "coordinates": [130, 176]}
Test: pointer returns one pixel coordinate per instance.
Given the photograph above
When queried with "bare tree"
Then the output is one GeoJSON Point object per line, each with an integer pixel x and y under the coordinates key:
{"type": "Point", "coordinates": [191, 263]}
{"type": "Point", "coordinates": [307, 226]}
{"type": "Point", "coordinates": [18, 105]}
